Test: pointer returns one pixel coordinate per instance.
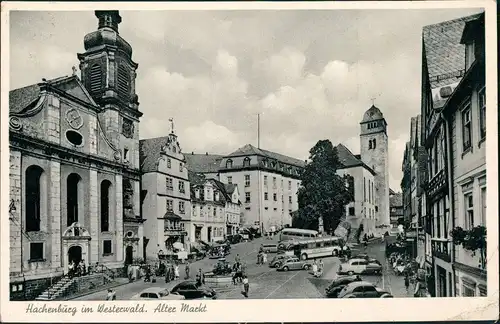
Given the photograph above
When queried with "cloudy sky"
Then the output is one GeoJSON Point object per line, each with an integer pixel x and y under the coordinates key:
{"type": "Point", "coordinates": [310, 74]}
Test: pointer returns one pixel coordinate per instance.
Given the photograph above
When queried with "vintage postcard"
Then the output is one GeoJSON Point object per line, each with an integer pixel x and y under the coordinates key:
{"type": "Point", "coordinates": [249, 161]}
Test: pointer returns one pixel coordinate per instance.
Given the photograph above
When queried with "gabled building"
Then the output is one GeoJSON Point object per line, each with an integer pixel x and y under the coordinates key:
{"type": "Point", "coordinates": [166, 199]}
{"type": "Point", "coordinates": [465, 122]}
{"type": "Point", "coordinates": [268, 182]}
{"type": "Point", "coordinates": [362, 209]}
{"type": "Point", "coordinates": [208, 202]}
{"type": "Point", "coordinates": [396, 203]}
{"type": "Point", "coordinates": [443, 68]}
{"type": "Point", "coordinates": [233, 206]}
{"type": "Point", "coordinates": [74, 166]}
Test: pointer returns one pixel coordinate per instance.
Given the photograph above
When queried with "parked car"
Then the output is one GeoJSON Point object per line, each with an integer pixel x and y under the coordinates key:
{"type": "Point", "coordinates": [359, 266]}
{"type": "Point", "coordinates": [155, 293]}
{"type": "Point", "coordinates": [338, 284]}
{"type": "Point", "coordinates": [278, 260]}
{"type": "Point", "coordinates": [363, 289]}
{"type": "Point", "coordinates": [235, 239]}
{"type": "Point", "coordinates": [366, 257]}
{"type": "Point", "coordinates": [190, 290]}
{"type": "Point", "coordinates": [270, 248]}
{"type": "Point", "coordinates": [294, 264]}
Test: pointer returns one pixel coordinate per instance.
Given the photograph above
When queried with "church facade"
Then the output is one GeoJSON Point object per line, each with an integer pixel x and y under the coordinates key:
{"type": "Point", "coordinates": [74, 166]}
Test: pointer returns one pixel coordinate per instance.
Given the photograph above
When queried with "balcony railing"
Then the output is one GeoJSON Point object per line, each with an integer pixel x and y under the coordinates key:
{"type": "Point", "coordinates": [437, 183]}
{"type": "Point", "coordinates": [441, 248]}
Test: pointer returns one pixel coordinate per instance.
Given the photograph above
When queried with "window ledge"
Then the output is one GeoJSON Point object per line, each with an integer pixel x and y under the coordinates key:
{"type": "Point", "coordinates": [481, 141]}
{"type": "Point", "coordinates": [36, 260]}
{"type": "Point", "coordinates": [469, 149]}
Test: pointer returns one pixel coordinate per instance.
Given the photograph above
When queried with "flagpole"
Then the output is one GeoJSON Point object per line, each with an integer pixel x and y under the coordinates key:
{"type": "Point", "coordinates": [258, 131]}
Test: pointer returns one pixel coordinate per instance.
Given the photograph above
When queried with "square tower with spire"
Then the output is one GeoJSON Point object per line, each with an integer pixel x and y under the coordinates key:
{"type": "Point", "coordinates": [374, 146]}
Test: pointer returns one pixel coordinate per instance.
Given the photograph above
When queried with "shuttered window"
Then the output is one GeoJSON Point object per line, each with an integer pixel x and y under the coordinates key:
{"type": "Point", "coordinates": [123, 81]}
{"type": "Point", "coordinates": [95, 78]}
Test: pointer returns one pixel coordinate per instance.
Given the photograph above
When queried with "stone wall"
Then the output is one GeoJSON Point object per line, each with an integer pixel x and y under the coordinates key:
{"type": "Point", "coordinates": [15, 211]}
{"type": "Point", "coordinates": [30, 289]}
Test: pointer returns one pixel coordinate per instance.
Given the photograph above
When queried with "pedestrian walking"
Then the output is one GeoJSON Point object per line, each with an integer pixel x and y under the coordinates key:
{"type": "Point", "coordinates": [237, 258]}
{"type": "Point", "coordinates": [167, 273]}
{"type": "Point", "coordinates": [315, 267]}
{"type": "Point", "coordinates": [264, 258]}
{"type": "Point", "coordinates": [407, 283]}
{"type": "Point", "coordinates": [111, 295]}
{"type": "Point", "coordinates": [71, 269]}
{"type": "Point", "coordinates": [246, 286]}
{"type": "Point", "coordinates": [320, 265]}
{"type": "Point", "coordinates": [187, 270]}
{"type": "Point", "coordinates": [176, 271]}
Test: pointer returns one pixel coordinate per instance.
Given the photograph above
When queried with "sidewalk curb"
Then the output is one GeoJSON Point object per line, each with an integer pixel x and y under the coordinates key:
{"type": "Point", "coordinates": [90, 292]}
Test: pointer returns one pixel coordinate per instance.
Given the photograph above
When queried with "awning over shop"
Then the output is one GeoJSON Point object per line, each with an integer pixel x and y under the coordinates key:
{"type": "Point", "coordinates": [170, 215]}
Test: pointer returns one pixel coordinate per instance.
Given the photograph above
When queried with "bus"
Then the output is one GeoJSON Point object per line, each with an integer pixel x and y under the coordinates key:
{"type": "Point", "coordinates": [317, 247]}
{"type": "Point", "coordinates": [297, 234]}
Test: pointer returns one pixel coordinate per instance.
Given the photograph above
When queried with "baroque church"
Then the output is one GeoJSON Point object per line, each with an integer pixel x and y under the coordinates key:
{"type": "Point", "coordinates": [74, 166]}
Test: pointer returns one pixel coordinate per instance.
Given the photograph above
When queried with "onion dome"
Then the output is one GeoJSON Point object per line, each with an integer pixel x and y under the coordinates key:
{"type": "Point", "coordinates": [372, 114]}
{"type": "Point", "coordinates": [107, 33]}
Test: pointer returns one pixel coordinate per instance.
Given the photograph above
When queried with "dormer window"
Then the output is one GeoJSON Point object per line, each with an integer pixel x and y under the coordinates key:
{"type": "Point", "coordinates": [229, 164]}
{"type": "Point", "coordinates": [246, 162]}
{"type": "Point", "coordinates": [216, 196]}
{"type": "Point", "coordinates": [470, 55]}
{"type": "Point", "coordinates": [197, 193]}
{"type": "Point", "coordinates": [169, 163]}
{"type": "Point", "coordinates": [181, 166]}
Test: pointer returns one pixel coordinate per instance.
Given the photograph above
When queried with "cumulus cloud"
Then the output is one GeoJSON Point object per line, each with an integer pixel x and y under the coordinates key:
{"type": "Point", "coordinates": [309, 74]}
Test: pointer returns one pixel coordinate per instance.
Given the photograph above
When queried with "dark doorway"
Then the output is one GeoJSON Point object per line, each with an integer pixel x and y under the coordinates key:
{"type": "Point", "coordinates": [75, 254]}
{"type": "Point", "coordinates": [72, 198]}
{"type": "Point", "coordinates": [129, 255]}
{"type": "Point", "coordinates": [209, 234]}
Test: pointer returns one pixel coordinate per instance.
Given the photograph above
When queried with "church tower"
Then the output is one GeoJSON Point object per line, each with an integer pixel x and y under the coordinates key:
{"type": "Point", "coordinates": [375, 154]}
{"type": "Point", "coordinates": [109, 73]}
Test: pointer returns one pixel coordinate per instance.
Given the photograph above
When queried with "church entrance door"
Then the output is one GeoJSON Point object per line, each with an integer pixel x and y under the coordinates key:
{"type": "Point", "coordinates": [75, 254]}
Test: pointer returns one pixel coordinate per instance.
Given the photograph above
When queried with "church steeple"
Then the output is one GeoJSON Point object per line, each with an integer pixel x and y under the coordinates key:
{"type": "Point", "coordinates": [107, 68]}
{"type": "Point", "coordinates": [108, 19]}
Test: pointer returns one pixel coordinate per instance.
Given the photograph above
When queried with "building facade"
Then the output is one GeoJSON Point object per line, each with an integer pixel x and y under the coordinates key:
{"type": "Point", "coordinates": [374, 146]}
{"type": "Point", "coordinates": [233, 206]}
{"type": "Point", "coordinates": [362, 209]}
{"type": "Point", "coordinates": [268, 182]}
{"type": "Point", "coordinates": [208, 203]}
{"type": "Point", "coordinates": [74, 166]}
{"type": "Point", "coordinates": [397, 212]}
{"type": "Point", "coordinates": [166, 196]}
{"type": "Point", "coordinates": [465, 122]}
{"type": "Point", "coordinates": [443, 69]}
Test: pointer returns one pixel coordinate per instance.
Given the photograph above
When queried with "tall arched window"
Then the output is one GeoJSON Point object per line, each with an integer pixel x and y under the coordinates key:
{"type": "Point", "coordinates": [73, 183]}
{"type": "Point", "coordinates": [105, 188]}
{"type": "Point", "coordinates": [229, 164]}
{"type": "Point", "coordinates": [32, 195]}
{"type": "Point", "coordinates": [246, 162]}
{"type": "Point", "coordinates": [370, 144]}
{"type": "Point", "coordinates": [374, 144]}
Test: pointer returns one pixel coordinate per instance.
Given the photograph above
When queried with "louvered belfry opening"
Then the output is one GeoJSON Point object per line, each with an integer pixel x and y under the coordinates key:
{"type": "Point", "coordinates": [95, 79]}
{"type": "Point", "coordinates": [123, 82]}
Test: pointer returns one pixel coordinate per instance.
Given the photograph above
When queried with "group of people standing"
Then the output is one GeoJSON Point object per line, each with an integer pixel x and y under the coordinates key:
{"type": "Point", "coordinates": [261, 256]}
{"type": "Point", "coordinates": [77, 270]}
{"type": "Point", "coordinates": [172, 271]}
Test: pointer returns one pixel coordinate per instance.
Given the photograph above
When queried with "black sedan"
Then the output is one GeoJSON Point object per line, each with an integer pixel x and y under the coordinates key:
{"type": "Point", "coordinates": [190, 290]}
{"type": "Point", "coordinates": [338, 284]}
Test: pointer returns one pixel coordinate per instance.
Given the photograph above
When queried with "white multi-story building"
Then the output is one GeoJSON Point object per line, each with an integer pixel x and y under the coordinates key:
{"type": "Point", "coordinates": [268, 182]}
{"type": "Point", "coordinates": [165, 192]}
{"type": "Point", "coordinates": [362, 209]}
{"type": "Point", "coordinates": [465, 120]}
{"type": "Point", "coordinates": [208, 203]}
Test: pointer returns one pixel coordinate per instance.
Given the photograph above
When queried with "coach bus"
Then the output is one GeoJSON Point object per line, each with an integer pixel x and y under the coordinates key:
{"type": "Point", "coordinates": [317, 247]}
{"type": "Point", "coordinates": [297, 234]}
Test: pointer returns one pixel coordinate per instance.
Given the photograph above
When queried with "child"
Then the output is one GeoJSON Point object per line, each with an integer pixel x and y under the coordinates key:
{"type": "Point", "coordinates": [407, 283]}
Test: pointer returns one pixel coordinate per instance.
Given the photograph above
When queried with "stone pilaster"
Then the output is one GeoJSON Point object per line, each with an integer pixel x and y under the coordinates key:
{"type": "Point", "coordinates": [15, 211]}
{"type": "Point", "coordinates": [53, 120]}
{"type": "Point", "coordinates": [140, 234]}
{"type": "Point", "coordinates": [94, 217]}
{"type": "Point", "coordinates": [54, 197]}
{"type": "Point", "coordinates": [92, 134]}
{"type": "Point", "coordinates": [119, 218]}
{"type": "Point", "coordinates": [137, 197]}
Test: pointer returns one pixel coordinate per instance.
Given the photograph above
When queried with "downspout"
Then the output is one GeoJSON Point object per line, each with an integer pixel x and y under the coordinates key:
{"type": "Point", "coordinates": [451, 190]}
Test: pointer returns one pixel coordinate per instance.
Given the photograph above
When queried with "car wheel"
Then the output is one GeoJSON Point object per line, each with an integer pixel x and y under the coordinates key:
{"type": "Point", "coordinates": [306, 267]}
{"type": "Point", "coordinates": [277, 265]}
{"type": "Point", "coordinates": [303, 256]}
{"type": "Point", "coordinates": [285, 268]}
{"type": "Point", "coordinates": [335, 253]}
{"type": "Point", "coordinates": [350, 273]}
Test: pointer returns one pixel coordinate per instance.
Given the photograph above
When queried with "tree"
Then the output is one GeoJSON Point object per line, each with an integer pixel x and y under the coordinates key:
{"type": "Point", "coordinates": [323, 193]}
